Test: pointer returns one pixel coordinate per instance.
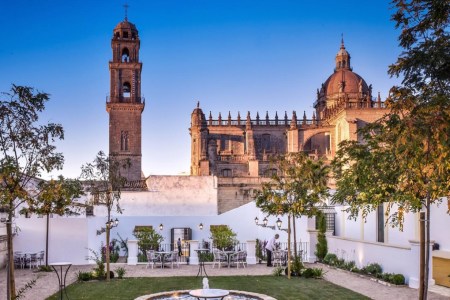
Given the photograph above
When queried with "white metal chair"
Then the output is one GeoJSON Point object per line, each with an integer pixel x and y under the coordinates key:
{"type": "Point", "coordinates": [219, 257]}
{"type": "Point", "coordinates": [239, 257]}
{"type": "Point", "coordinates": [32, 260]}
{"type": "Point", "coordinates": [172, 259]}
{"type": "Point", "coordinates": [277, 257]}
{"type": "Point", "coordinates": [152, 258]}
{"type": "Point", "coordinates": [19, 259]}
{"type": "Point", "coordinates": [40, 257]}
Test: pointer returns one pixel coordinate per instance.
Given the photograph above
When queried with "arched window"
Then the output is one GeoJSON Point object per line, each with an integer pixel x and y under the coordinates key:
{"type": "Point", "coordinates": [117, 35]}
{"type": "Point", "coordinates": [125, 55]}
{"type": "Point", "coordinates": [126, 88]}
{"type": "Point", "coordinates": [227, 173]}
{"type": "Point", "coordinates": [124, 140]}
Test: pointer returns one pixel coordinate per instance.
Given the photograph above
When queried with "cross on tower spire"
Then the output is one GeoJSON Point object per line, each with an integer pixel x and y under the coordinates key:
{"type": "Point", "coordinates": [126, 11]}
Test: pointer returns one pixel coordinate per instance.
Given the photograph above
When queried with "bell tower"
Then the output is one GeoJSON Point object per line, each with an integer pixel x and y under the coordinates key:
{"type": "Point", "coordinates": [125, 103]}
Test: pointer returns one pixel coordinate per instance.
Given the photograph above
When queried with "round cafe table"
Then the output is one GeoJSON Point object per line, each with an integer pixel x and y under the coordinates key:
{"type": "Point", "coordinates": [201, 261]}
{"type": "Point", "coordinates": [209, 293]}
{"type": "Point", "coordinates": [58, 268]}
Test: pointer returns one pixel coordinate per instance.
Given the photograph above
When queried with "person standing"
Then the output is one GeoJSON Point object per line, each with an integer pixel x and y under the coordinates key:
{"type": "Point", "coordinates": [271, 245]}
{"type": "Point", "coordinates": [179, 247]}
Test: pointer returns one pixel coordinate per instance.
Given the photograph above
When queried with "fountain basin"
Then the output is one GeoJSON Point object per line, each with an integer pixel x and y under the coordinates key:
{"type": "Point", "coordinates": [184, 294]}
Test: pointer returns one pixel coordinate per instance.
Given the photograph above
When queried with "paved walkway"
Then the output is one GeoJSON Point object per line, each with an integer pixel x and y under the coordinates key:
{"type": "Point", "coordinates": [47, 283]}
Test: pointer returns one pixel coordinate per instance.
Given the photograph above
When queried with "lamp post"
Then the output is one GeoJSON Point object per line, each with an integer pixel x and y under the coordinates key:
{"type": "Point", "coordinates": [279, 222]}
{"type": "Point", "coordinates": [200, 226]}
{"type": "Point", "coordinates": [264, 224]}
{"type": "Point", "coordinates": [161, 227]}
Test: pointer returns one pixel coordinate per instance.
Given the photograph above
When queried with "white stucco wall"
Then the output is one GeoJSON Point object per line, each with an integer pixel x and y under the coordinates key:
{"type": "Point", "coordinates": [67, 238]}
{"type": "Point", "coordinates": [171, 196]}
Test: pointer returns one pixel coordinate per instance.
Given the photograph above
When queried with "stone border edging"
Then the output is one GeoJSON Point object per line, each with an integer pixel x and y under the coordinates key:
{"type": "Point", "coordinates": [262, 296]}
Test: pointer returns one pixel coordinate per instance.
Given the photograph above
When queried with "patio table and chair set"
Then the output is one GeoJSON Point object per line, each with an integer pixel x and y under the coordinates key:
{"type": "Point", "coordinates": [28, 260]}
{"type": "Point", "coordinates": [229, 258]}
{"type": "Point", "coordinates": [162, 258]}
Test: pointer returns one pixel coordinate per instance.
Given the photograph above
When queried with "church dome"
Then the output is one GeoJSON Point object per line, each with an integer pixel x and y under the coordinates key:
{"type": "Point", "coordinates": [345, 81]}
{"type": "Point", "coordinates": [125, 30]}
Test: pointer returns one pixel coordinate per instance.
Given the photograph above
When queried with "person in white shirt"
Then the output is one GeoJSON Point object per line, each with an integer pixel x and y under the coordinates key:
{"type": "Point", "coordinates": [271, 245]}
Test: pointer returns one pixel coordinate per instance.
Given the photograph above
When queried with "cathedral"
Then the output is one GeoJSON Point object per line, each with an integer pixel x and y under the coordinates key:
{"type": "Point", "coordinates": [237, 150]}
{"type": "Point", "coordinates": [242, 146]}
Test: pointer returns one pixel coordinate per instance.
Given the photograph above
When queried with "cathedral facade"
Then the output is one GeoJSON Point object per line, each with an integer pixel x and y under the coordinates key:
{"type": "Point", "coordinates": [242, 146]}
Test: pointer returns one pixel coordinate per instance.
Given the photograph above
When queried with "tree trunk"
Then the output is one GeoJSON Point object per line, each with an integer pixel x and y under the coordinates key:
{"type": "Point", "coordinates": [422, 256]}
{"type": "Point", "coordinates": [289, 247]}
{"type": "Point", "coordinates": [46, 241]}
{"type": "Point", "coordinates": [11, 280]}
{"type": "Point", "coordinates": [108, 228]}
{"type": "Point", "coordinates": [295, 237]}
{"type": "Point", "coordinates": [427, 248]}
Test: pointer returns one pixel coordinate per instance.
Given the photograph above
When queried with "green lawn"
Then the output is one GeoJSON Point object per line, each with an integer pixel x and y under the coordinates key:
{"type": "Point", "coordinates": [277, 287]}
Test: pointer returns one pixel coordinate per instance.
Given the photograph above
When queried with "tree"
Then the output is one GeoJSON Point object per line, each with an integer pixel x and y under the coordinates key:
{"type": "Point", "coordinates": [148, 239]}
{"type": "Point", "coordinates": [27, 150]}
{"type": "Point", "coordinates": [223, 237]}
{"type": "Point", "coordinates": [405, 160]}
{"type": "Point", "coordinates": [299, 188]}
{"type": "Point", "coordinates": [56, 197]}
{"type": "Point", "coordinates": [104, 183]}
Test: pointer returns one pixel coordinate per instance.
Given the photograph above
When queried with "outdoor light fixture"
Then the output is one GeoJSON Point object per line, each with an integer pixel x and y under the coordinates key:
{"type": "Point", "coordinates": [112, 223]}
{"type": "Point", "coordinates": [161, 226]}
{"type": "Point", "coordinates": [200, 226]}
{"type": "Point", "coordinates": [265, 221]}
{"type": "Point", "coordinates": [109, 224]}
{"type": "Point", "coordinates": [279, 222]}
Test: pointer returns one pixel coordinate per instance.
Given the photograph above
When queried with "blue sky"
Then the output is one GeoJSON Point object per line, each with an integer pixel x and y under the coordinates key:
{"type": "Point", "coordinates": [229, 55]}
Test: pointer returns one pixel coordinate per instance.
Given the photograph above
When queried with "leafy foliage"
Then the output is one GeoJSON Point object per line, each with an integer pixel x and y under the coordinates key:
{"type": "Point", "coordinates": [26, 151]}
{"type": "Point", "coordinates": [99, 271]}
{"type": "Point", "coordinates": [120, 272]}
{"type": "Point", "coordinates": [148, 239]}
{"type": "Point", "coordinates": [223, 237]}
{"type": "Point", "coordinates": [406, 158]}
{"type": "Point", "coordinates": [321, 246]}
{"type": "Point", "coordinates": [278, 271]}
{"type": "Point", "coordinates": [330, 258]}
{"type": "Point", "coordinates": [104, 182]}
{"type": "Point", "coordinates": [298, 189]}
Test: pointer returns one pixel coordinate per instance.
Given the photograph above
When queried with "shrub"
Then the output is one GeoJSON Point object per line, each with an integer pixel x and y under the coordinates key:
{"type": "Point", "coordinates": [84, 276]}
{"type": "Point", "coordinates": [99, 271]}
{"type": "Point", "coordinates": [318, 273]}
{"type": "Point", "coordinates": [45, 269]}
{"type": "Point", "coordinates": [398, 279]}
{"type": "Point", "coordinates": [308, 273]}
{"type": "Point", "coordinates": [349, 266]}
{"type": "Point", "coordinates": [120, 272]}
{"type": "Point", "coordinates": [207, 257]}
{"type": "Point", "coordinates": [321, 246]}
{"type": "Point", "coordinates": [278, 271]}
{"type": "Point", "coordinates": [330, 259]}
{"type": "Point", "coordinates": [373, 269]}
{"type": "Point", "coordinates": [297, 266]}
{"type": "Point", "coordinates": [340, 263]}
{"type": "Point", "coordinates": [114, 257]}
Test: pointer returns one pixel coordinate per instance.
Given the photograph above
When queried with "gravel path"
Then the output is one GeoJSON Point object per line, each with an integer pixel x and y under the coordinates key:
{"type": "Point", "coordinates": [47, 283]}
